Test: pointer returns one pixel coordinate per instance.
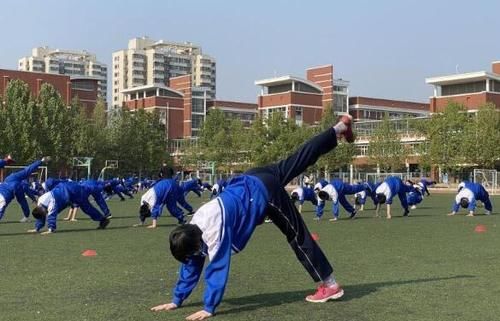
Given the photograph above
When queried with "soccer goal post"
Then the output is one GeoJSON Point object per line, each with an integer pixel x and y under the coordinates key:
{"type": "Point", "coordinates": [39, 175]}
{"type": "Point", "coordinates": [488, 178]}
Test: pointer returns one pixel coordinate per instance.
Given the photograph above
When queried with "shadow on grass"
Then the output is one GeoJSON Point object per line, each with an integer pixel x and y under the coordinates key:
{"type": "Point", "coordinates": [258, 301]}
{"type": "Point", "coordinates": [85, 230]}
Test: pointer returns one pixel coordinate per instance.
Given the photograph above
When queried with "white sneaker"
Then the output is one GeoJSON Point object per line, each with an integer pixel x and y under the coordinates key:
{"type": "Point", "coordinates": [413, 207]}
{"type": "Point", "coordinates": [24, 220]}
{"type": "Point", "coordinates": [487, 213]}
{"type": "Point", "coordinates": [317, 218]}
{"type": "Point", "coordinates": [333, 219]}
{"type": "Point", "coordinates": [268, 221]}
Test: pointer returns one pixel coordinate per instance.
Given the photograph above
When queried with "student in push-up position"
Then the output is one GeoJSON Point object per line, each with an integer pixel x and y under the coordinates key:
{"type": "Point", "coordinates": [225, 224]}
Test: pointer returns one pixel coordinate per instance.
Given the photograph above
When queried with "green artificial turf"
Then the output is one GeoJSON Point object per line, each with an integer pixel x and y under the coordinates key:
{"type": "Point", "coordinates": [424, 267]}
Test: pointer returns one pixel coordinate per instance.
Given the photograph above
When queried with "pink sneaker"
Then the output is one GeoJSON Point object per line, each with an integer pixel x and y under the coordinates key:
{"type": "Point", "coordinates": [347, 133]}
{"type": "Point", "coordinates": [325, 293]}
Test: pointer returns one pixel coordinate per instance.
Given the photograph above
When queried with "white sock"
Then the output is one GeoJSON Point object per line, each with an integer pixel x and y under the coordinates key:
{"type": "Point", "coordinates": [330, 281]}
{"type": "Point", "coordinates": [340, 128]}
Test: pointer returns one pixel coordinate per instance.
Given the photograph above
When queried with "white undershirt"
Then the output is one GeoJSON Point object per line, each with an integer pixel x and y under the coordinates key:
{"type": "Point", "coordinates": [209, 219]}
{"type": "Point", "coordinates": [384, 189]}
{"type": "Point", "coordinates": [149, 198]}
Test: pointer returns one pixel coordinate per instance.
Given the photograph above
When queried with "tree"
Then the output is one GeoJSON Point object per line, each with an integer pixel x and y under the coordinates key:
{"type": "Point", "coordinates": [447, 134]}
{"type": "Point", "coordinates": [223, 141]}
{"type": "Point", "coordinates": [385, 148]}
{"type": "Point", "coordinates": [20, 118]}
{"type": "Point", "coordinates": [343, 154]}
{"type": "Point", "coordinates": [138, 141]}
{"type": "Point", "coordinates": [484, 139]}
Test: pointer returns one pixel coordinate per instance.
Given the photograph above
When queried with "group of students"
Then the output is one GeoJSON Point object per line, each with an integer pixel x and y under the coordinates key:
{"type": "Point", "coordinates": [336, 191]}
{"type": "Point", "coordinates": [223, 226]}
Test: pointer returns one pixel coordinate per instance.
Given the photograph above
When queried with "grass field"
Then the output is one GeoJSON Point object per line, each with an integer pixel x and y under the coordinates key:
{"type": "Point", "coordinates": [424, 267]}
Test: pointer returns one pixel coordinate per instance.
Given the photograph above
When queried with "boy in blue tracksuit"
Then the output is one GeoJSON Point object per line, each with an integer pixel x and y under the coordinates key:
{"type": "Point", "coordinates": [23, 190]}
{"type": "Point", "coordinates": [115, 186]}
{"type": "Point", "coordinates": [423, 184]}
{"type": "Point", "coordinates": [336, 191]}
{"type": "Point", "coordinates": [218, 187]}
{"type": "Point", "coordinates": [95, 189]}
{"type": "Point", "coordinates": [164, 192]}
{"type": "Point", "coordinates": [386, 191]}
{"type": "Point", "coordinates": [12, 185]}
{"type": "Point", "coordinates": [303, 194]}
{"type": "Point", "coordinates": [225, 224]}
{"type": "Point", "coordinates": [415, 196]}
{"type": "Point", "coordinates": [360, 199]}
{"type": "Point", "coordinates": [321, 204]}
{"type": "Point", "coordinates": [63, 195]}
{"type": "Point", "coordinates": [467, 197]}
{"type": "Point", "coordinates": [193, 185]}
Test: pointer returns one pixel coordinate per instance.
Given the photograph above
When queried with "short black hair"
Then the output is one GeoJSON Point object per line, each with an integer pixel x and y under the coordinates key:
{"type": "Point", "coordinates": [185, 241]}
{"type": "Point", "coordinates": [464, 202]}
{"type": "Point", "coordinates": [39, 212]}
{"type": "Point", "coordinates": [295, 196]}
{"type": "Point", "coordinates": [381, 198]}
{"type": "Point", "coordinates": [323, 195]}
{"type": "Point", "coordinates": [144, 212]}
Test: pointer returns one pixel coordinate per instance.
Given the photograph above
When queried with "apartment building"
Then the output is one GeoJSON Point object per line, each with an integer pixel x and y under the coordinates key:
{"type": "Point", "coordinates": [72, 63]}
{"type": "Point", "coordinates": [149, 62]}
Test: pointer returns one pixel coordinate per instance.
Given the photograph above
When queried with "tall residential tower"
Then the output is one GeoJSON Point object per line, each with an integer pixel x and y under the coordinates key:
{"type": "Point", "coordinates": [147, 62]}
{"type": "Point", "coordinates": [73, 63]}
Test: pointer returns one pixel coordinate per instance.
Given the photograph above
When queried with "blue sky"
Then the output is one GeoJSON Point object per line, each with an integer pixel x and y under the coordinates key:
{"type": "Point", "coordinates": [385, 48]}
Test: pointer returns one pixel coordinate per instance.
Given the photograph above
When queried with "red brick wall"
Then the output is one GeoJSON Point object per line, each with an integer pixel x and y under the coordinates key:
{"type": "Point", "coordinates": [184, 85]}
{"type": "Point", "coordinates": [495, 67]}
{"type": "Point", "coordinates": [88, 98]}
{"type": "Point", "coordinates": [35, 80]}
{"type": "Point", "coordinates": [470, 101]}
{"type": "Point", "coordinates": [290, 98]}
{"type": "Point", "coordinates": [323, 77]}
{"type": "Point", "coordinates": [175, 124]}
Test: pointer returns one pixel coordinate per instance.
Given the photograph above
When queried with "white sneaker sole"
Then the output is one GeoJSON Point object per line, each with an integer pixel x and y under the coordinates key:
{"type": "Point", "coordinates": [336, 296]}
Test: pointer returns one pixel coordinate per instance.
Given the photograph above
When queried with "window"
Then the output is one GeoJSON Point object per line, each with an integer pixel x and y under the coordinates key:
{"type": "Point", "coordinates": [198, 105]}
{"type": "Point", "coordinates": [467, 88]}
{"type": "Point", "coordinates": [196, 121]}
{"type": "Point", "coordinates": [279, 88]}
{"type": "Point", "coordinates": [305, 88]}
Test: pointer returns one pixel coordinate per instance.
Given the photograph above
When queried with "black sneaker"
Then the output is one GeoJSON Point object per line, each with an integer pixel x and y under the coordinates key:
{"type": "Point", "coordinates": [181, 222]}
{"type": "Point", "coordinates": [103, 224]}
{"type": "Point", "coordinates": [406, 213]}
{"type": "Point", "coordinates": [353, 214]}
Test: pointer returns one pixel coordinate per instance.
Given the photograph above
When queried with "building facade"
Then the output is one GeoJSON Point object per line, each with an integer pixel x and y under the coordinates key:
{"type": "Point", "coordinates": [150, 62]}
{"type": "Point", "coordinates": [304, 99]}
{"type": "Point", "coordinates": [367, 108]}
{"type": "Point", "coordinates": [182, 108]}
{"type": "Point", "coordinates": [471, 89]}
{"type": "Point", "coordinates": [245, 112]}
{"type": "Point", "coordinates": [84, 88]}
{"type": "Point", "coordinates": [75, 64]}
